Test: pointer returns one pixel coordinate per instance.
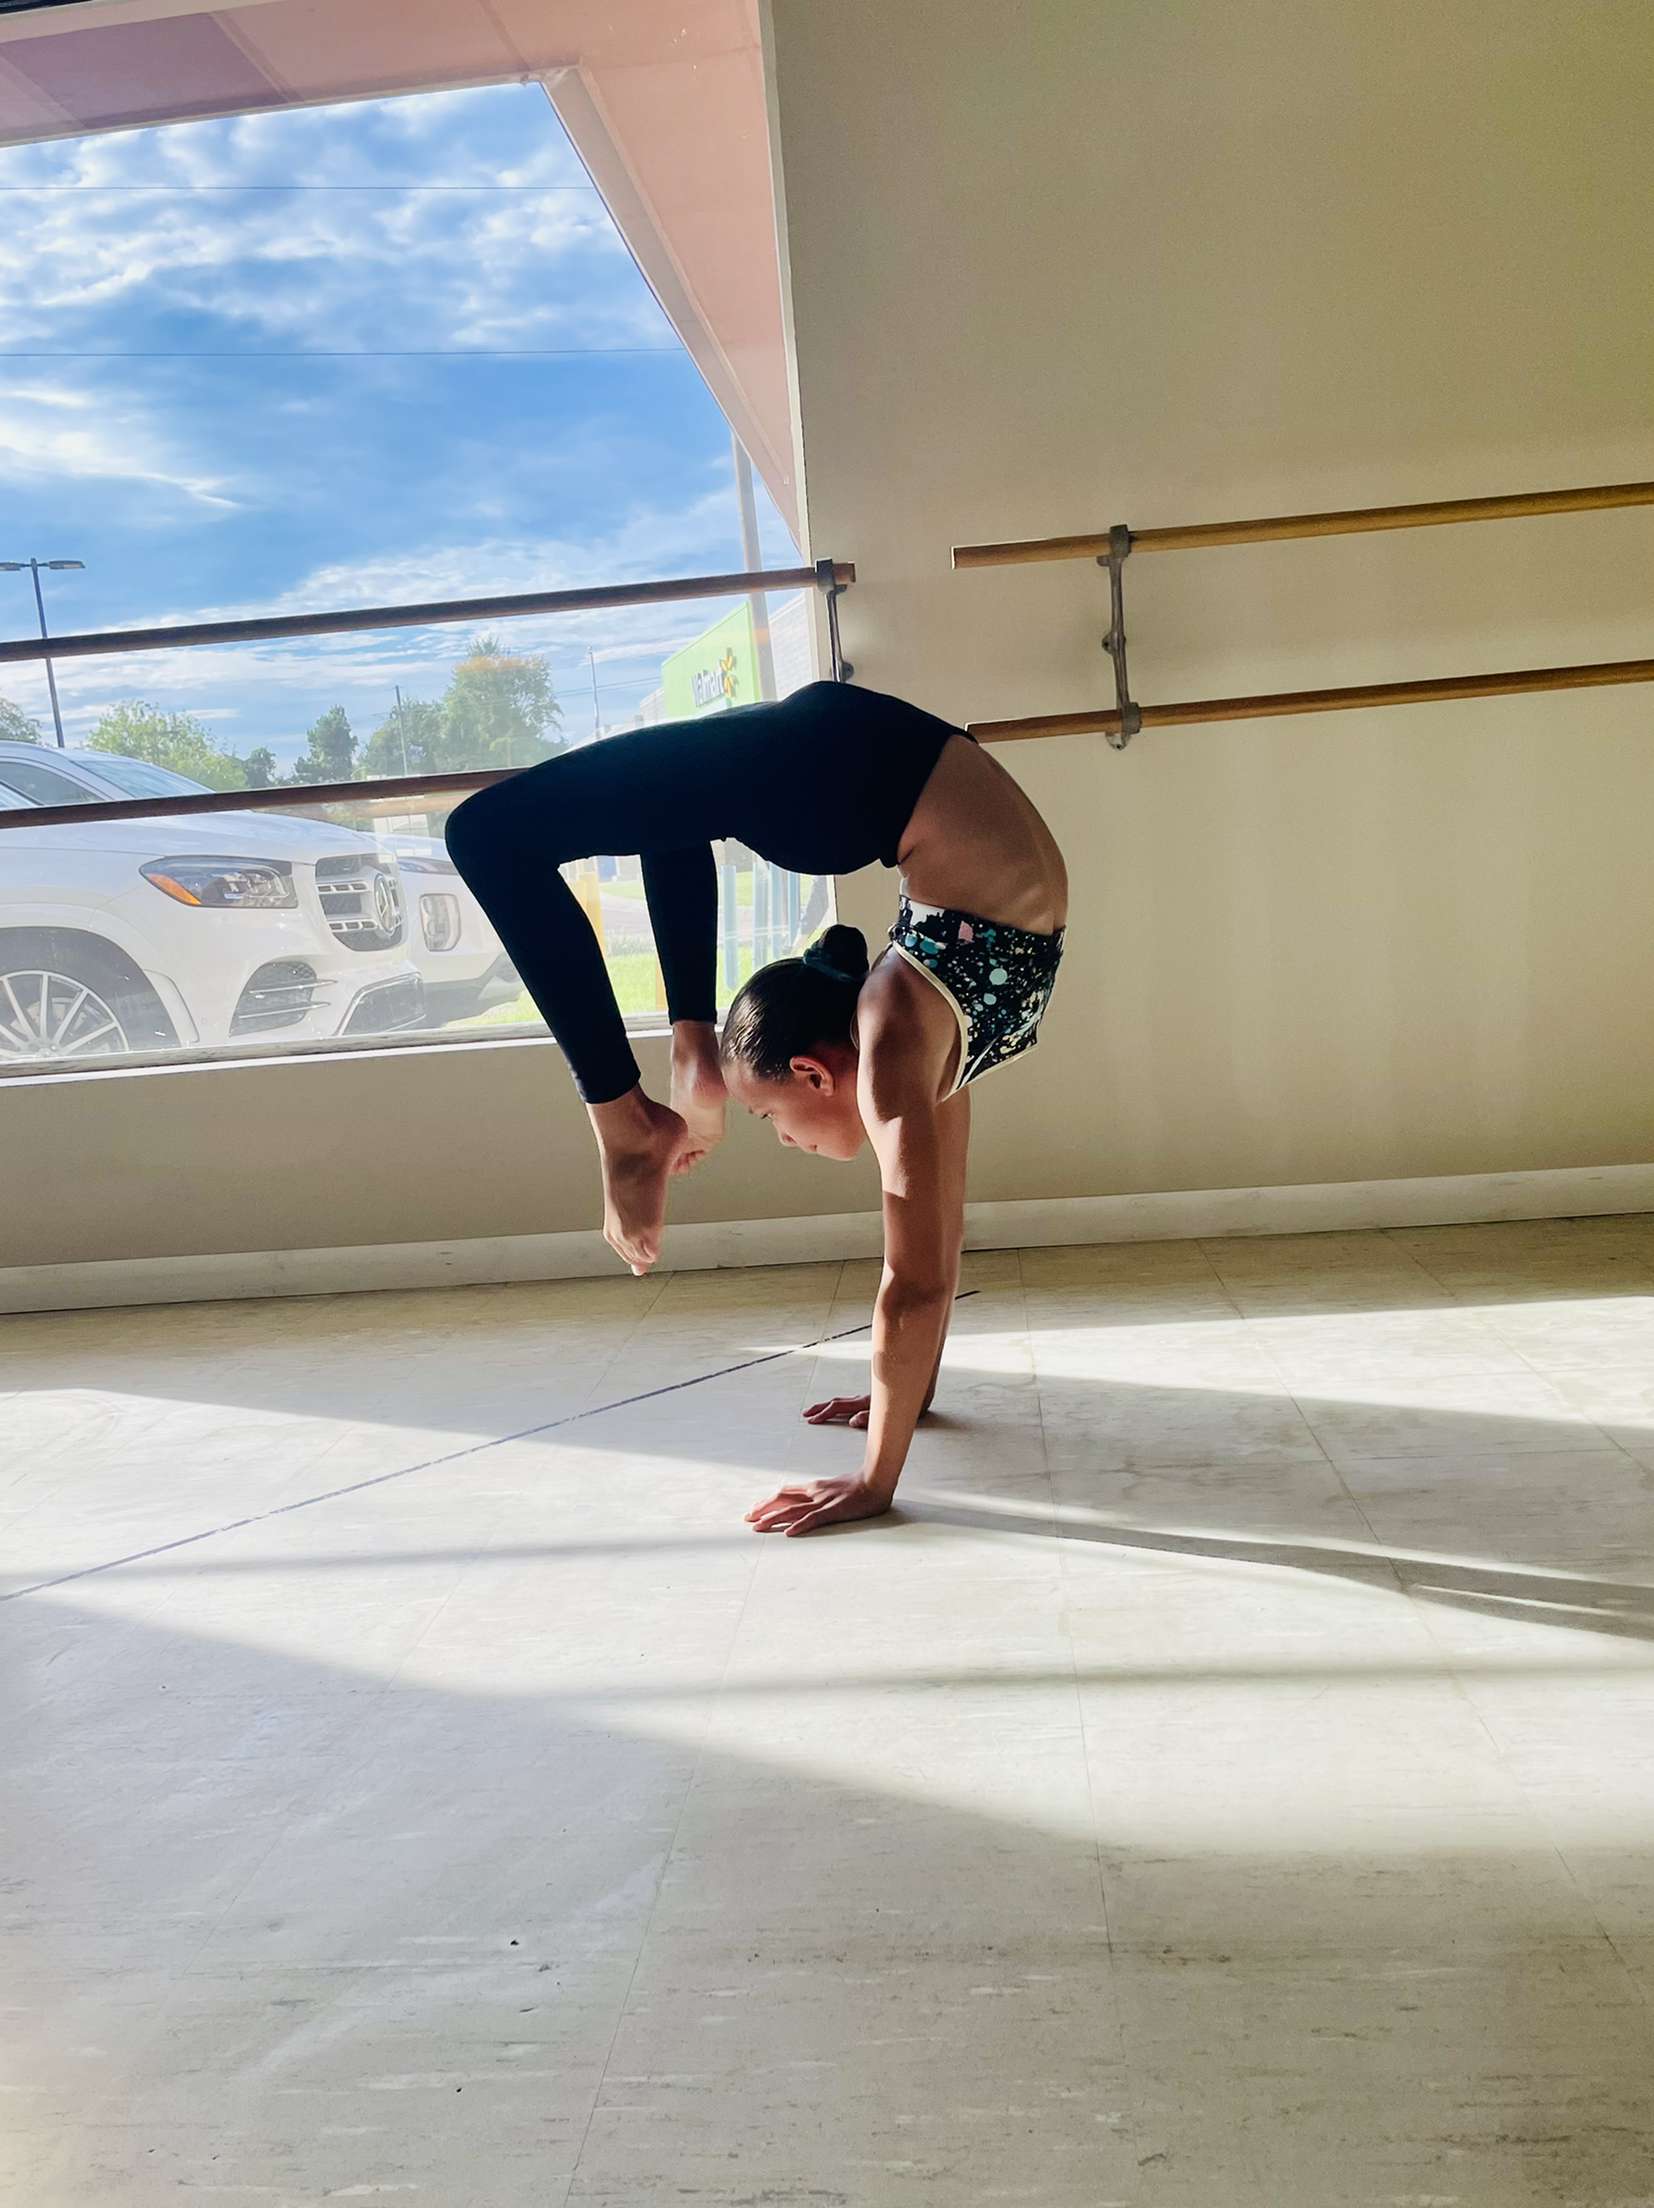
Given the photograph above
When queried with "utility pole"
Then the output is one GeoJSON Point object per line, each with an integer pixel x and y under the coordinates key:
{"type": "Point", "coordinates": [16, 567]}
{"type": "Point", "coordinates": [591, 662]}
{"type": "Point", "coordinates": [402, 727]}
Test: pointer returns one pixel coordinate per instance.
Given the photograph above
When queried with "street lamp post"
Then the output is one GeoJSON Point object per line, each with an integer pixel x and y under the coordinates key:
{"type": "Point", "coordinates": [16, 567]}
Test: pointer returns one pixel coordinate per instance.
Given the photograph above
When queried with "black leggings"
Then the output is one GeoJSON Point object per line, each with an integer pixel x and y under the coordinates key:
{"type": "Point", "coordinates": [822, 783]}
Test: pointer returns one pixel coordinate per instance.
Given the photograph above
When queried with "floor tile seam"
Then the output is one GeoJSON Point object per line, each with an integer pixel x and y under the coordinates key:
{"type": "Point", "coordinates": [1289, 1392]}
{"type": "Point", "coordinates": [818, 1373]}
{"type": "Point", "coordinates": [1218, 1281]}
{"type": "Point", "coordinates": [628, 1340]}
{"type": "Point", "coordinates": [1032, 1381]}
{"type": "Point", "coordinates": [1541, 1372]}
{"type": "Point", "coordinates": [1132, 2066]}
{"type": "Point", "coordinates": [1643, 1989]}
{"type": "Point", "coordinates": [471, 1448]}
{"type": "Point", "coordinates": [1514, 1278]}
{"type": "Point", "coordinates": [1064, 1569]}
{"type": "Point", "coordinates": [1401, 1263]}
{"type": "Point", "coordinates": [1630, 1454]}
{"type": "Point", "coordinates": [1487, 1313]}
{"type": "Point", "coordinates": [691, 1782]}
{"type": "Point", "coordinates": [1383, 1551]}
{"type": "Point", "coordinates": [1456, 1674]}
{"type": "Point", "coordinates": [1093, 1807]}
{"type": "Point", "coordinates": [1388, 1236]}
{"type": "Point", "coordinates": [350, 1427]}
{"type": "Point", "coordinates": [1543, 1821]}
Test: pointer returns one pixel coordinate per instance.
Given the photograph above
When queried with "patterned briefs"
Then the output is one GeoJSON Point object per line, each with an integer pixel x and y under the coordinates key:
{"type": "Point", "coordinates": [997, 978]}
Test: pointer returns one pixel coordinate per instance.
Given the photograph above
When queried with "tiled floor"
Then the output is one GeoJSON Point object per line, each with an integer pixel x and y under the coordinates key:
{"type": "Point", "coordinates": [1228, 1783]}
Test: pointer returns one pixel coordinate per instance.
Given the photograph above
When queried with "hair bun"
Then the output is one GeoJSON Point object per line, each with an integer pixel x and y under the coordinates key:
{"type": "Point", "coordinates": [840, 952]}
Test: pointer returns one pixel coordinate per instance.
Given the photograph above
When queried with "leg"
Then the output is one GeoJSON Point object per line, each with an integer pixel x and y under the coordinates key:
{"type": "Point", "coordinates": [508, 843]}
{"type": "Point", "coordinates": [658, 791]}
{"type": "Point", "coordinates": [682, 889]}
{"type": "Point", "coordinates": [511, 869]}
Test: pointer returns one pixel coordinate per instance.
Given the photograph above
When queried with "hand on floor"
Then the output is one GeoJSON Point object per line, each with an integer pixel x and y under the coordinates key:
{"type": "Point", "coordinates": [820, 1503]}
{"type": "Point", "coordinates": [840, 1410]}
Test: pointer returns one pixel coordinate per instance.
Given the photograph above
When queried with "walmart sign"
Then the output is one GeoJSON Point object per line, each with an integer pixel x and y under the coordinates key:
{"type": "Point", "coordinates": [718, 670]}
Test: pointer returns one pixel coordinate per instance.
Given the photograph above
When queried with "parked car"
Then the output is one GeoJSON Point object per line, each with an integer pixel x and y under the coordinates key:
{"type": "Point", "coordinates": [460, 961]}
{"type": "Point", "coordinates": [136, 935]}
{"type": "Point", "coordinates": [464, 967]}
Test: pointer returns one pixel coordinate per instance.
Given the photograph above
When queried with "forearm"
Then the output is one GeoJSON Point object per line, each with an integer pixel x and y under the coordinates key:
{"type": "Point", "coordinates": [936, 1369]}
{"type": "Point", "coordinates": [909, 1328]}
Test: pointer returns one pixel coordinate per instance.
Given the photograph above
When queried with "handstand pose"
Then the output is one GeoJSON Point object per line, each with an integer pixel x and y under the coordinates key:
{"type": "Point", "coordinates": [831, 1053]}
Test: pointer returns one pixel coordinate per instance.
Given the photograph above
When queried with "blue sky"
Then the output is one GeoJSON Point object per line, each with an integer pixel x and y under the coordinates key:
{"type": "Point", "coordinates": [357, 354]}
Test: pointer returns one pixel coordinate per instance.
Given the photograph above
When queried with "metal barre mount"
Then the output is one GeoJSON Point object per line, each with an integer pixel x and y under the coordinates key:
{"type": "Point", "coordinates": [1114, 641]}
{"type": "Point", "coordinates": [832, 589]}
{"type": "Point", "coordinates": [1110, 550]}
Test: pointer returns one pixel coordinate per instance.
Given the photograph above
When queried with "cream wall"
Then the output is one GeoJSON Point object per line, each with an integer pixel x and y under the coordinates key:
{"type": "Point", "coordinates": [1066, 264]}
{"type": "Point", "coordinates": [1086, 261]}
{"type": "Point", "coordinates": [439, 1144]}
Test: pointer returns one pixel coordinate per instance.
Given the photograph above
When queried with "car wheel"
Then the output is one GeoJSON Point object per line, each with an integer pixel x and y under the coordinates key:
{"type": "Point", "coordinates": [64, 998]}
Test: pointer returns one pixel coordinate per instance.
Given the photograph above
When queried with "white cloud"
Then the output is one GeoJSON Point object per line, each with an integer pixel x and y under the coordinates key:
{"type": "Point", "coordinates": [396, 268]}
{"type": "Point", "coordinates": [58, 433]}
{"type": "Point", "coordinates": [528, 258]}
{"type": "Point", "coordinates": [370, 269]}
{"type": "Point", "coordinates": [360, 671]}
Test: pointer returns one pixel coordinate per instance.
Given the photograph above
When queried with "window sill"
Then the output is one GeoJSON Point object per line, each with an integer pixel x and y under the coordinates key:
{"type": "Point", "coordinates": [421, 1044]}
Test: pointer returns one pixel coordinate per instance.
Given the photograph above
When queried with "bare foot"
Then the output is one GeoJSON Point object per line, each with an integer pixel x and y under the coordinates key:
{"type": "Point", "coordinates": [698, 1094]}
{"type": "Point", "coordinates": [639, 1141]}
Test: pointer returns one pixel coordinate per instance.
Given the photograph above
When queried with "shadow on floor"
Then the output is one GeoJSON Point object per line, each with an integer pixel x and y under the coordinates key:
{"type": "Point", "coordinates": [289, 1925]}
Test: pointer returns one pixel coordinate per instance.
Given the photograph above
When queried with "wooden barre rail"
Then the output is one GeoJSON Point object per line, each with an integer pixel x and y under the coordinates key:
{"type": "Point", "coordinates": [829, 575]}
{"type": "Point", "coordinates": [392, 794]}
{"type": "Point", "coordinates": [1272, 528]}
{"type": "Point", "coordinates": [1280, 702]}
{"type": "Point", "coordinates": [389, 794]}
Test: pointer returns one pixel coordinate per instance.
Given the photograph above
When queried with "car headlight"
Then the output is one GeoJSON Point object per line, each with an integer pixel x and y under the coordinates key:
{"type": "Point", "coordinates": [227, 884]}
{"type": "Point", "coordinates": [439, 918]}
{"type": "Point", "coordinates": [425, 865]}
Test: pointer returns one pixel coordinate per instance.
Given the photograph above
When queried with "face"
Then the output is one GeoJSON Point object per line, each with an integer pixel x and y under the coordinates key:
{"type": "Point", "coordinates": [815, 1110]}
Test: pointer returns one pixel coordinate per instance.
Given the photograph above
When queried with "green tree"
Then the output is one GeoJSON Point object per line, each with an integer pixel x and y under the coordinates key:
{"type": "Point", "coordinates": [175, 740]}
{"type": "Point", "coordinates": [260, 769]}
{"type": "Point", "coordinates": [499, 708]}
{"type": "Point", "coordinates": [330, 754]}
{"type": "Point", "coordinates": [16, 726]}
{"type": "Point", "coordinates": [414, 738]}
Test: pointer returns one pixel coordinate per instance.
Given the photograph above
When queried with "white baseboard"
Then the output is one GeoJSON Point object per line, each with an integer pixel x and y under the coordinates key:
{"type": "Point", "coordinates": [1317, 1208]}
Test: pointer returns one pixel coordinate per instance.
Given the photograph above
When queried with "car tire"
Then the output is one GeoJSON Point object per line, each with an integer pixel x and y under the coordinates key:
{"type": "Point", "coordinates": [70, 998]}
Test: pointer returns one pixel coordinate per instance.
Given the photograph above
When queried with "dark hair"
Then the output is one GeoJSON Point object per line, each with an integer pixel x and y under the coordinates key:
{"type": "Point", "coordinates": [797, 1004]}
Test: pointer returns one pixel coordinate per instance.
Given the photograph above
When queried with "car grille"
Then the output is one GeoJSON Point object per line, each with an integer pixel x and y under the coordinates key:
{"type": "Point", "coordinates": [362, 898]}
{"type": "Point", "coordinates": [278, 995]}
{"type": "Point", "coordinates": [395, 1004]}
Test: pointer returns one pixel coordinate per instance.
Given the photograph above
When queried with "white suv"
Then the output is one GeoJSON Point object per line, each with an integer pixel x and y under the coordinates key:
{"type": "Point", "coordinates": [141, 935]}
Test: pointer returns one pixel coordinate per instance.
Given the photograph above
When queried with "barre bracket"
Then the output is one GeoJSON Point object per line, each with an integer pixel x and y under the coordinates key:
{"type": "Point", "coordinates": [1114, 642]}
{"type": "Point", "coordinates": [833, 590]}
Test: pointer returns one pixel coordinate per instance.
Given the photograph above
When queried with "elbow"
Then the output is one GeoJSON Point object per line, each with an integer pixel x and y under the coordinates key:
{"type": "Point", "coordinates": [914, 1296]}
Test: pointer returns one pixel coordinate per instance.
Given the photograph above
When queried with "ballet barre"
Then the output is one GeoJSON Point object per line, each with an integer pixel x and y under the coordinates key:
{"type": "Point", "coordinates": [1111, 549]}
{"type": "Point", "coordinates": [387, 794]}
{"type": "Point", "coordinates": [828, 576]}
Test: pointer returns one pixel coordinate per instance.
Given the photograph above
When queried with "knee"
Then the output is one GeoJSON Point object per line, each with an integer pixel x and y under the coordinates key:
{"type": "Point", "coordinates": [534, 818]}
{"type": "Point", "coordinates": [473, 829]}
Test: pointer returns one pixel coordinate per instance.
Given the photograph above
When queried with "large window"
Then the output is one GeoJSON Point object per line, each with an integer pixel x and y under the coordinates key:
{"type": "Point", "coordinates": [433, 368]}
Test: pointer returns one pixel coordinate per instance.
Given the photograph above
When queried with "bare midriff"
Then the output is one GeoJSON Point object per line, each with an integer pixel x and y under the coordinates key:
{"type": "Point", "coordinates": [976, 844]}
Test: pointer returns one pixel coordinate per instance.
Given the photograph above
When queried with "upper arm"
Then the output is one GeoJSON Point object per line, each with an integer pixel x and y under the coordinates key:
{"type": "Point", "coordinates": [921, 1142]}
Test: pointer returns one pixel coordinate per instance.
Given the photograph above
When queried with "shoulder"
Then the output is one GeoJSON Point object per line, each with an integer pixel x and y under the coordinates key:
{"type": "Point", "coordinates": [907, 1032]}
